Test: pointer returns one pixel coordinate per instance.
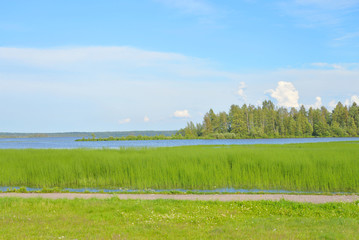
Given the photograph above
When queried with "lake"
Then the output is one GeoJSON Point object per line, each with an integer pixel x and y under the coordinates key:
{"type": "Point", "coordinates": [69, 142]}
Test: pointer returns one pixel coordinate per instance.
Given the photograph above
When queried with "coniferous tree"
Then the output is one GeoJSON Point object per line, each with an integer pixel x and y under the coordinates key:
{"type": "Point", "coordinates": [270, 121]}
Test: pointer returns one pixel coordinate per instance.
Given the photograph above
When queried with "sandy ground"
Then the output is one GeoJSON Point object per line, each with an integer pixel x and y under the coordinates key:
{"type": "Point", "coordinates": [214, 197]}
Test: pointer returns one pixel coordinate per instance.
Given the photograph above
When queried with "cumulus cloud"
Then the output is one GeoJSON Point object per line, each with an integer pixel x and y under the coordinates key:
{"type": "Point", "coordinates": [318, 103]}
{"type": "Point", "coordinates": [332, 104]}
{"type": "Point", "coordinates": [348, 102]}
{"type": "Point", "coordinates": [353, 99]}
{"type": "Point", "coordinates": [124, 121]}
{"type": "Point", "coordinates": [146, 119]}
{"type": "Point", "coordinates": [286, 94]}
{"type": "Point", "coordinates": [101, 81]}
{"type": "Point", "coordinates": [240, 92]}
{"type": "Point", "coordinates": [181, 114]}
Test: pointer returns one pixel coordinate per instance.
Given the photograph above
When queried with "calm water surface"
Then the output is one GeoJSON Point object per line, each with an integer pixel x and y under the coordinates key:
{"type": "Point", "coordinates": [69, 142]}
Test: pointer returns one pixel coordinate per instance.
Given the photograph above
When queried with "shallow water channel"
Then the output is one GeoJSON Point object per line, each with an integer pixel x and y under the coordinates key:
{"type": "Point", "coordinates": [220, 190]}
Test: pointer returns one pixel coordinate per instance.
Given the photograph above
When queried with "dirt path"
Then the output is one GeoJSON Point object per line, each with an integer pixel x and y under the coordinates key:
{"type": "Point", "coordinates": [214, 197]}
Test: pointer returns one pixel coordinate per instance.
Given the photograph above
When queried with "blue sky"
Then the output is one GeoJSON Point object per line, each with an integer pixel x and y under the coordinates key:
{"type": "Point", "coordinates": [156, 64]}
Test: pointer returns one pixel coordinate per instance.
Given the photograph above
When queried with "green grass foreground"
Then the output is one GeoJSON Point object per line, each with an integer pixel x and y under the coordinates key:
{"type": "Point", "coordinates": [325, 167]}
{"type": "Point", "coordinates": [169, 219]}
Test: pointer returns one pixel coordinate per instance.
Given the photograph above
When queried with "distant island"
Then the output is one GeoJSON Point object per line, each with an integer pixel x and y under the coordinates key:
{"type": "Point", "coordinates": [88, 134]}
{"type": "Point", "coordinates": [266, 121]}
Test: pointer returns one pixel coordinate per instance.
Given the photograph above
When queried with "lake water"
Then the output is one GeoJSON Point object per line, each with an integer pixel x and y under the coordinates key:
{"type": "Point", "coordinates": [69, 142]}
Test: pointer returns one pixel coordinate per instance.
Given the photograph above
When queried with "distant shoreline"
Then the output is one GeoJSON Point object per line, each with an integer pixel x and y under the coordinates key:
{"type": "Point", "coordinates": [154, 138]}
{"type": "Point", "coordinates": [104, 134]}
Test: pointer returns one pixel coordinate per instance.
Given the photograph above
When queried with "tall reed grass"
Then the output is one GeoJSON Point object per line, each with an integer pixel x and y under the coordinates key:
{"type": "Point", "coordinates": [300, 167]}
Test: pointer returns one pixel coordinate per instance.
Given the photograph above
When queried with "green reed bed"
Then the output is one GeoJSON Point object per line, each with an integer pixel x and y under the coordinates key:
{"type": "Point", "coordinates": [325, 167]}
{"type": "Point", "coordinates": [169, 219]}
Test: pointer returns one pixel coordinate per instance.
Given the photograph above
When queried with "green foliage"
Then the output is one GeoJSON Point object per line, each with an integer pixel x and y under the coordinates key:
{"type": "Point", "coordinates": [324, 167]}
{"type": "Point", "coordinates": [169, 219]}
{"type": "Point", "coordinates": [271, 122]}
{"type": "Point", "coordinates": [22, 190]}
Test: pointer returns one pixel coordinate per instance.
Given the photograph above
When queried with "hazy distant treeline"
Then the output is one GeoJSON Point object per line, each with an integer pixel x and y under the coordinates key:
{"type": "Point", "coordinates": [116, 134]}
{"type": "Point", "coordinates": [269, 121]}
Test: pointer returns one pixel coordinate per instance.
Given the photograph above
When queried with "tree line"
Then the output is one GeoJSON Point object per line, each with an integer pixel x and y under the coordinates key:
{"type": "Point", "coordinates": [269, 121]}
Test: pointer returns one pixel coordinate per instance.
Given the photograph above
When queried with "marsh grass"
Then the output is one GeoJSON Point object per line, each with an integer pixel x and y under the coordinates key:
{"type": "Point", "coordinates": [323, 167]}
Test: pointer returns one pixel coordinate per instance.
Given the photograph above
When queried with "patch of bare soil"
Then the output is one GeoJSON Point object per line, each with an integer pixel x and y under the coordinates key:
{"type": "Point", "coordinates": [212, 197]}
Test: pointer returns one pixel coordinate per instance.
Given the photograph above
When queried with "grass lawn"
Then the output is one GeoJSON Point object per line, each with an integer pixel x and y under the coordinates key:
{"type": "Point", "coordinates": [170, 219]}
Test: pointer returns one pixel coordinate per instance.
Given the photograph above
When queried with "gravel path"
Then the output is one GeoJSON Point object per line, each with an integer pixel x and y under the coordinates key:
{"type": "Point", "coordinates": [214, 197]}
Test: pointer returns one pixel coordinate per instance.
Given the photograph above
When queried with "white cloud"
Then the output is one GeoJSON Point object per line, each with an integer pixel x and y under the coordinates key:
{"type": "Point", "coordinates": [200, 7]}
{"type": "Point", "coordinates": [240, 92]}
{"type": "Point", "coordinates": [347, 102]}
{"type": "Point", "coordinates": [146, 119]}
{"type": "Point", "coordinates": [318, 103]}
{"type": "Point", "coordinates": [285, 94]}
{"type": "Point", "coordinates": [103, 83]}
{"type": "Point", "coordinates": [181, 114]}
{"type": "Point", "coordinates": [100, 84]}
{"type": "Point", "coordinates": [332, 104]}
{"type": "Point", "coordinates": [103, 61]}
{"type": "Point", "coordinates": [65, 57]}
{"type": "Point", "coordinates": [355, 99]}
{"type": "Point", "coordinates": [124, 121]}
{"type": "Point", "coordinates": [336, 66]}
{"type": "Point", "coordinates": [327, 83]}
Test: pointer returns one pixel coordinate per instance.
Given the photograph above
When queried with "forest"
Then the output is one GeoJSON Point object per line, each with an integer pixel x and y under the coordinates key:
{"type": "Point", "coordinates": [270, 121]}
